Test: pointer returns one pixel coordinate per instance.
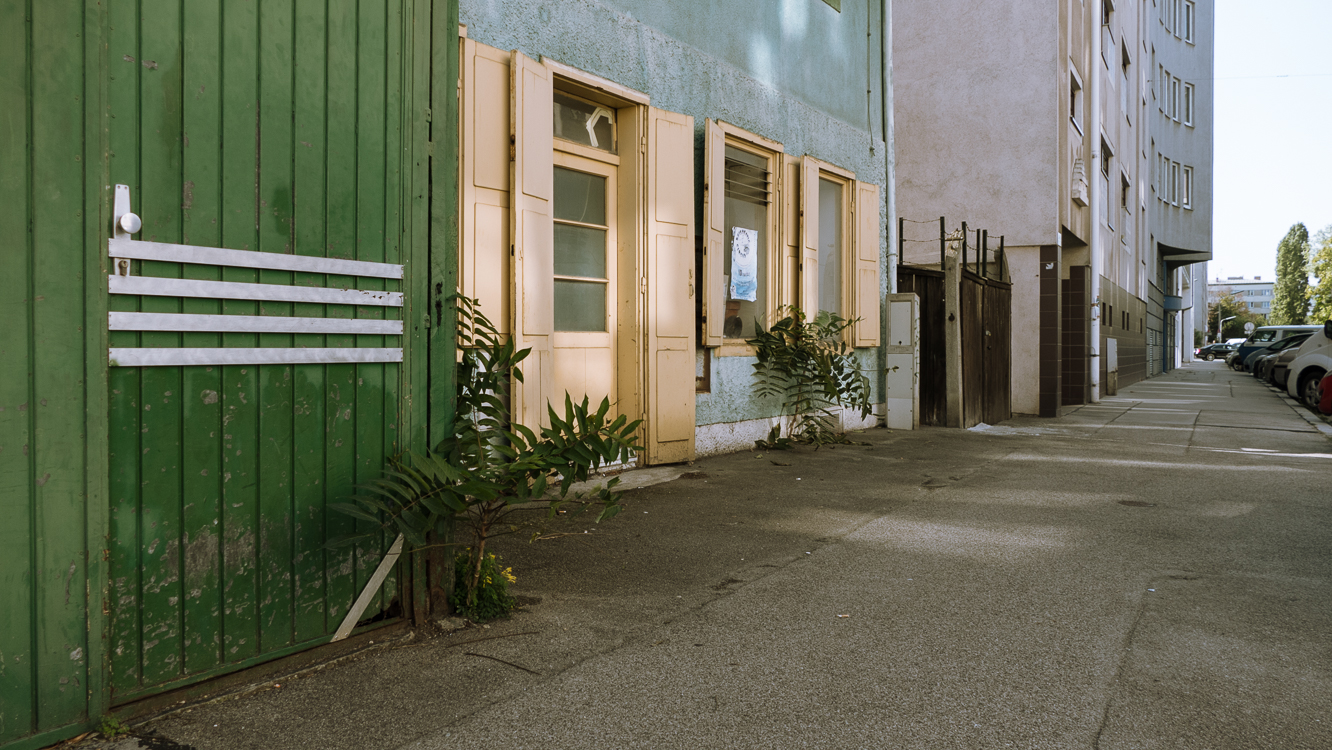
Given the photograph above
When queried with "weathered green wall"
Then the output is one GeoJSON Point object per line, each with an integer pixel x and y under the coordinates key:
{"type": "Point", "coordinates": [52, 379]}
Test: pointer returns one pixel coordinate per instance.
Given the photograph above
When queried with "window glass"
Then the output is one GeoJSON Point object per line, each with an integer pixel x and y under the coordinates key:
{"type": "Point", "coordinates": [830, 246]}
{"type": "Point", "coordinates": [580, 251]}
{"type": "Point", "coordinates": [584, 122]}
{"type": "Point", "coordinates": [745, 261]}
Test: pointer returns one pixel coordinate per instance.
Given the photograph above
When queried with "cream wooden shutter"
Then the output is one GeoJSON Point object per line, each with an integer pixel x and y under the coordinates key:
{"type": "Point", "coordinates": [791, 242]}
{"type": "Point", "coordinates": [670, 288]}
{"type": "Point", "coordinates": [714, 213]}
{"type": "Point", "coordinates": [483, 255]}
{"type": "Point", "coordinates": [809, 234]}
{"type": "Point", "coordinates": [866, 290]}
{"type": "Point", "coordinates": [533, 236]}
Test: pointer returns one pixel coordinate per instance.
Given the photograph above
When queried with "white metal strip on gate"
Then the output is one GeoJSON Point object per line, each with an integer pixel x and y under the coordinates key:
{"type": "Point", "coordinates": [136, 321]}
{"type": "Point", "coordinates": [122, 249]}
{"type": "Point", "coordinates": [165, 357]}
{"type": "Point", "coordinates": [218, 256]}
{"type": "Point", "coordinates": [157, 286]}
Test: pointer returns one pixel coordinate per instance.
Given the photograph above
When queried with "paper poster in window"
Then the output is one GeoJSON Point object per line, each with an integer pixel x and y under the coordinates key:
{"type": "Point", "coordinates": [744, 264]}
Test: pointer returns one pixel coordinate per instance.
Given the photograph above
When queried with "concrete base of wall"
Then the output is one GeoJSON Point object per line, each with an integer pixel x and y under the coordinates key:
{"type": "Point", "coordinates": [729, 437]}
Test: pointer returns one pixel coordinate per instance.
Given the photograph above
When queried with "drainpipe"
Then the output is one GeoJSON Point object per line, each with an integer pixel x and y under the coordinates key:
{"type": "Point", "coordinates": [1097, 201]}
{"type": "Point", "coordinates": [889, 138]}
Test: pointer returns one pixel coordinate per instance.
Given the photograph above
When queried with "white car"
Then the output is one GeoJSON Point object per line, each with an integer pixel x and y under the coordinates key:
{"type": "Point", "coordinates": [1311, 364]}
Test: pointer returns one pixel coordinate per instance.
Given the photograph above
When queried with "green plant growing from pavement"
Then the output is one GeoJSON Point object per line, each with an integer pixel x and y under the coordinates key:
{"type": "Point", "coordinates": [488, 468]}
{"type": "Point", "coordinates": [111, 727]}
{"type": "Point", "coordinates": [809, 365]}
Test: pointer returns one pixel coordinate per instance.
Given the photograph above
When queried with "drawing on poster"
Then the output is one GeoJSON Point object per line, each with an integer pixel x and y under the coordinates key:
{"type": "Point", "coordinates": [744, 264]}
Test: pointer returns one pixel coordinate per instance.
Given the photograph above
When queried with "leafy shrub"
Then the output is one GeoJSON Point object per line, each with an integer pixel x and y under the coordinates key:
{"type": "Point", "coordinates": [809, 365]}
{"type": "Point", "coordinates": [491, 598]}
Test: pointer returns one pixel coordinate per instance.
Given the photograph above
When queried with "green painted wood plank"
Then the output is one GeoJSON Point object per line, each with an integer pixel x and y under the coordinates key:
{"type": "Point", "coordinates": [277, 234]}
{"type": "Point", "coordinates": [58, 405]}
{"type": "Point", "coordinates": [123, 538]}
{"type": "Point", "coordinates": [371, 244]}
{"type": "Point", "coordinates": [443, 214]}
{"type": "Point", "coordinates": [240, 388]}
{"type": "Point", "coordinates": [309, 436]}
{"type": "Point", "coordinates": [201, 473]}
{"type": "Point", "coordinates": [341, 221]}
{"type": "Point", "coordinates": [159, 205]}
{"type": "Point", "coordinates": [18, 710]}
{"type": "Point", "coordinates": [97, 196]}
{"type": "Point", "coordinates": [124, 430]}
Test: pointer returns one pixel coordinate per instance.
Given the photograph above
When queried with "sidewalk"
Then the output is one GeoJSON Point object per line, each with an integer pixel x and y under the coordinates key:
{"type": "Point", "coordinates": [1146, 572]}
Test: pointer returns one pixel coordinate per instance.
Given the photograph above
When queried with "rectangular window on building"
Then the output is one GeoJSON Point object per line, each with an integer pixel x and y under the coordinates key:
{"type": "Point", "coordinates": [1190, 16]}
{"type": "Point", "coordinates": [1173, 102]}
{"type": "Point", "coordinates": [1174, 183]}
{"type": "Point", "coordinates": [1124, 63]}
{"type": "Point", "coordinates": [1168, 14]}
{"type": "Point", "coordinates": [1106, 155]}
{"type": "Point", "coordinates": [1188, 104]}
{"type": "Point", "coordinates": [1075, 100]}
{"type": "Point", "coordinates": [1186, 199]}
{"type": "Point", "coordinates": [744, 265]}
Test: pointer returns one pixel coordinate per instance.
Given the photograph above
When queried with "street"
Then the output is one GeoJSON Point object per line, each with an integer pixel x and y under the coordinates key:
{"type": "Point", "coordinates": [1148, 572]}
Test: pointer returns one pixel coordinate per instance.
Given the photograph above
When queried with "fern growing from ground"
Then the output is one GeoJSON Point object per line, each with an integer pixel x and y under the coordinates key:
{"type": "Point", "coordinates": [488, 467]}
{"type": "Point", "coordinates": [809, 365]}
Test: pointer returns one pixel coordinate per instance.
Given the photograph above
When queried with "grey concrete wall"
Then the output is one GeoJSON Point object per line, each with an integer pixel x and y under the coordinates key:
{"type": "Point", "coordinates": [976, 94]}
{"type": "Point", "coordinates": [794, 71]}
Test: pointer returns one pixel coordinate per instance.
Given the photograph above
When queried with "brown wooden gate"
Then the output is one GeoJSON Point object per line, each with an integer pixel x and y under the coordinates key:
{"type": "Point", "coordinates": [986, 308]}
{"type": "Point", "coordinates": [928, 285]}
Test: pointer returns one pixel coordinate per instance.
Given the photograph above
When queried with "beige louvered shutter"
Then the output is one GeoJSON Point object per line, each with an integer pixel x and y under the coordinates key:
{"type": "Point", "coordinates": [533, 232]}
{"type": "Point", "coordinates": [809, 237]}
{"type": "Point", "coordinates": [714, 216]}
{"type": "Point", "coordinates": [789, 193]}
{"type": "Point", "coordinates": [866, 302]}
{"type": "Point", "coordinates": [670, 288]}
{"type": "Point", "coordinates": [483, 253]}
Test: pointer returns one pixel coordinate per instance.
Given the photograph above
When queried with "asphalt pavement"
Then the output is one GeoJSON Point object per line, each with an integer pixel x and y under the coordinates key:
{"type": "Point", "coordinates": [1148, 572]}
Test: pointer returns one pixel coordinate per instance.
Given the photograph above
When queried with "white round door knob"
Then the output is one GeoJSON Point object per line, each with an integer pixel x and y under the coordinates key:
{"type": "Point", "coordinates": [131, 223]}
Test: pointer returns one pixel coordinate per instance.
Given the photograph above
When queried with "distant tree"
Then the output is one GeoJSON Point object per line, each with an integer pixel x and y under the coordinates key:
{"type": "Point", "coordinates": [1290, 298]}
{"type": "Point", "coordinates": [1227, 304]}
{"type": "Point", "coordinates": [1320, 265]}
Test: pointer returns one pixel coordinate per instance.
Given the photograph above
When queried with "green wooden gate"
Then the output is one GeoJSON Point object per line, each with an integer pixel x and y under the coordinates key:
{"type": "Point", "coordinates": [249, 389]}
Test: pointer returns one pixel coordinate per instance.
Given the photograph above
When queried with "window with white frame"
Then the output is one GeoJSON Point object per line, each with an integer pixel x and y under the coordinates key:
{"type": "Point", "coordinates": [1173, 102]}
{"type": "Point", "coordinates": [1174, 183]}
{"type": "Point", "coordinates": [1188, 104]}
{"type": "Point", "coordinates": [1190, 16]}
{"type": "Point", "coordinates": [1163, 83]}
{"type": "Point", "coordinates": [1168, 14]}
{"type": "Point", "coordinates": [1186, 199]}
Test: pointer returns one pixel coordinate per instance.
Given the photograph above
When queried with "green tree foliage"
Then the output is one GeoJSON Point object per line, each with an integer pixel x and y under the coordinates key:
{"type": "Point", "coordinates": [1290, 298]}
{"type": "Point", "coordinates": [488, 468]}
{"type": "Point", "coordinates": [1320, 265]}
{"type": "Point", "coordinates": [809, 365]}
{"type": "Point", "coordinates": [1227, 305]}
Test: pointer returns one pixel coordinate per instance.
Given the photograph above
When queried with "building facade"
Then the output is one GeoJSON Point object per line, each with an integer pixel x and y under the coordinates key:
{"type": "Point", "coordinates": [1038, 120]}
{"type": "Point", "coordinates": [697, 177]}
{"type": "Point", "coordinates": [1179, 111]}
{"type": "Point", "coordinates": [1255, 293]}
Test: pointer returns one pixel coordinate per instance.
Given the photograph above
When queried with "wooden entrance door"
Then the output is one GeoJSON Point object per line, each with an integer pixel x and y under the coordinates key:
{"type": "Point", "coordinates": [586, 266]}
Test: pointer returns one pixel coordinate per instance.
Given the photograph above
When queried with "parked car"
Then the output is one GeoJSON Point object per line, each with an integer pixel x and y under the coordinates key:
{"type": "Point", "coordinates": [1263, 337]}
{"type": "Point", "coordinates": [1325, 404]}
{"type": "Point", "coordinates": [1311, 364]}
{"type": "Point", "coordinates": [1278, 370]}
{"type": "Point", "coordinates": [1214, 351]}
{"type": "Point", "coordinates": [1261, 360]}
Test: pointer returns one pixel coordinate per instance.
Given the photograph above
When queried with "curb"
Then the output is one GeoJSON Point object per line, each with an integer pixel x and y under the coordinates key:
{"type": "Point", "coordinates": [1318, 421]}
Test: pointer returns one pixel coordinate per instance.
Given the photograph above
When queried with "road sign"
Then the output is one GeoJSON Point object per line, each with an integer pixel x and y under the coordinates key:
{"type": "Point", "coordinates": [1248, 327]}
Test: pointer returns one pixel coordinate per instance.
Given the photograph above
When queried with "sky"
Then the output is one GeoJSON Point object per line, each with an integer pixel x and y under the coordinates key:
{"type": "Point", "coordinates": [1273, 147]}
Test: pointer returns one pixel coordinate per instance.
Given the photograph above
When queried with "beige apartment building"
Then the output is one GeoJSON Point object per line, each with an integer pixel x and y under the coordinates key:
{"type": "Point", "coordinates": [1034, 119]}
